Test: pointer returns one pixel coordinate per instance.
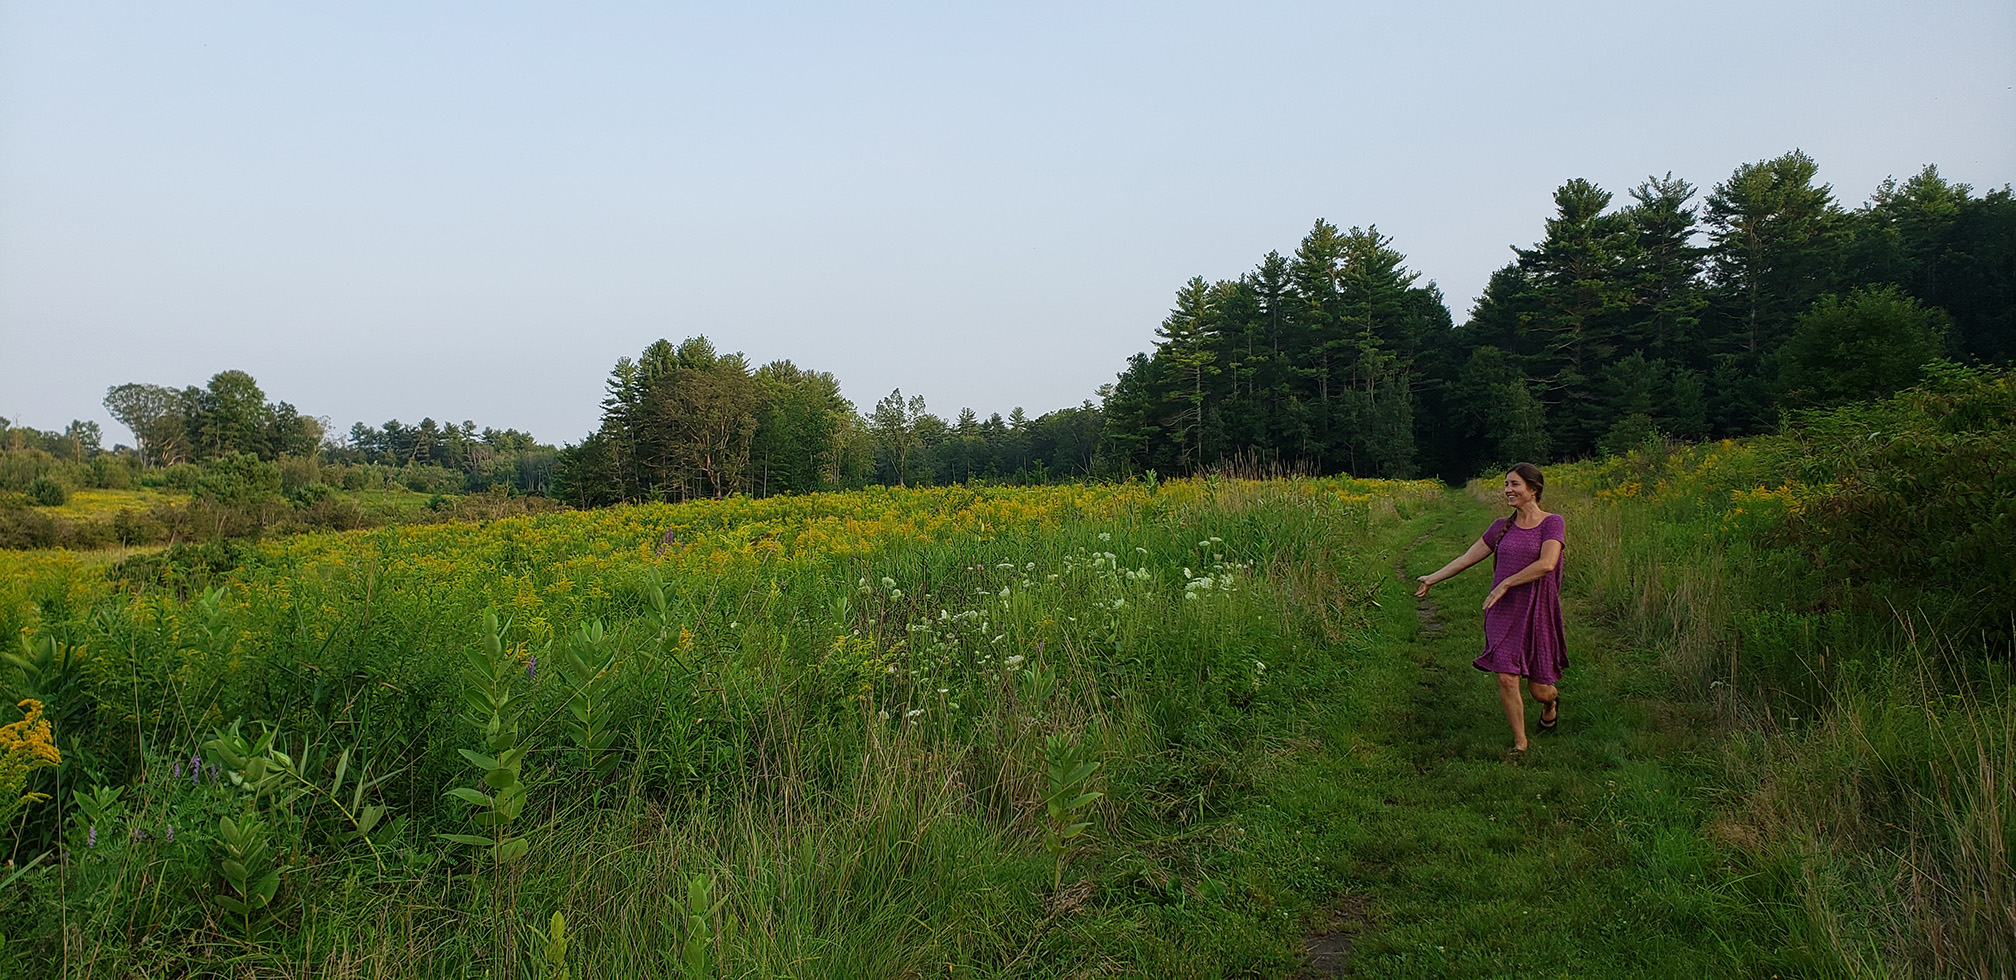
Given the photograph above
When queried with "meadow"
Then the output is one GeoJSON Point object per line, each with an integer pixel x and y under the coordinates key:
{"type": "Point", "coordinates": [1844, 595]}
{"type": "Point", "coordinates": [867, 734]}
{"type": "Point", "coordinates": [1195, 728]}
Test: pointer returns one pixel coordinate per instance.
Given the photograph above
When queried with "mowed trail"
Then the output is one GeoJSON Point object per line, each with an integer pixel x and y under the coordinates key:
{"type": "Point", "coordinates": [1586, 858]}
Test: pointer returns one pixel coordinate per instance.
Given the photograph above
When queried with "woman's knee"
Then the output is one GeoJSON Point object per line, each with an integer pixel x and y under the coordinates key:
{"type": "Point", "coordinates": [1508, 682]}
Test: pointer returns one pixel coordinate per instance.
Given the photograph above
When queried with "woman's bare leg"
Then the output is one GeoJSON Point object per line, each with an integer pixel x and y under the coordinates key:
{"type": "Point", "coordinates": [1514, 701]}
{"type": "Point", "coordinates": [1546, 694]}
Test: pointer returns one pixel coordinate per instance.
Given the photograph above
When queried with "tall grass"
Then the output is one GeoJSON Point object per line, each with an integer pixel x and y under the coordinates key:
{"type": "Point", "coordinates": [1869, 724]}
{"type": "Point", "coordinates": [832, 713]}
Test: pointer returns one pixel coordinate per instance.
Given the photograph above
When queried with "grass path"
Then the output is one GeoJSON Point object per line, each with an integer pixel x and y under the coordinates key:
{"type": "Point", "coordinates": [1587, 858]}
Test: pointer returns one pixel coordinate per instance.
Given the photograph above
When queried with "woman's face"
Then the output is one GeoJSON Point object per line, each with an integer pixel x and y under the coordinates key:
{"type": "Point", "coordinates": [1517, 493]}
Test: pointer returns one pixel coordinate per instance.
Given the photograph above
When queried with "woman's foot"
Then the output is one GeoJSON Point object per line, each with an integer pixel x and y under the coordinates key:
{"type": "Point", "coordinates": [1552, 715]}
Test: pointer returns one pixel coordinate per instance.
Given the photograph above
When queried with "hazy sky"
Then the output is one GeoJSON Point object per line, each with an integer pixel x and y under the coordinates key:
{"type": "Point", "coordinates": [471, 210]}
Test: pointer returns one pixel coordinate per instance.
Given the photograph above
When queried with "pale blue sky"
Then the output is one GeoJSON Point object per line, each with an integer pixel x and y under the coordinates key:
{"type": "Point", "coordinates": [471, 210]}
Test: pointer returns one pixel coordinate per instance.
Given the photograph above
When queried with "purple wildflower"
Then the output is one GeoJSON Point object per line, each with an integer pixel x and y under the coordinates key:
{"type": "Point", "coordinates": [178, 769]}
{"type": "Point", "coordinates": [195, 772]}
{"type": "Point", "coordinates": [171, 833]}
{"type": "Point", "coordinates": [532, 667]}
{"type": "Point", "coordinates": [91, 839]}
{"type": "Point", "coordinates": [215, 773]}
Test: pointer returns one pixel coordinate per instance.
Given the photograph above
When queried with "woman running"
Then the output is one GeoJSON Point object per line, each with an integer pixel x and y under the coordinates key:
{"type": "Point", "coordinates": [1522, 615]}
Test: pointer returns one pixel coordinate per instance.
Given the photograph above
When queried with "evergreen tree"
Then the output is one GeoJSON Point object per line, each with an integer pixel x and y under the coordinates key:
{"type": "Point", "coordinates": [1580, 279]}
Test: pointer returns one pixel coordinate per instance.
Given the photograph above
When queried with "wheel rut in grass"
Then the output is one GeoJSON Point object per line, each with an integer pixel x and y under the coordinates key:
{"type": "Point", "coordinates": [1424, 608]}
{"type": "Point", "coordinates": [1326, 952]}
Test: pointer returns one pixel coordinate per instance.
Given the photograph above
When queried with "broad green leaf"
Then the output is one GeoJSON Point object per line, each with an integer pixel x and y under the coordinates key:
{"type": "Point", "coordinates": [482, 761]}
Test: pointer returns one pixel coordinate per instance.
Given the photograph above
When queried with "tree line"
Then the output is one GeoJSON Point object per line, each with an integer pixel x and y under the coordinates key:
{"type": "Point", "coordinates": [1662, 315]}
{"type": "Point", "coordinates": [1665, 314]}
{"type": "Point", "coordinates": [687, 422]}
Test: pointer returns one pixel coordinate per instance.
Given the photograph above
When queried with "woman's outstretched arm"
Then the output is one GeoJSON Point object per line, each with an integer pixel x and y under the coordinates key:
{"type": "Point", "coordinates": [1478, 550]}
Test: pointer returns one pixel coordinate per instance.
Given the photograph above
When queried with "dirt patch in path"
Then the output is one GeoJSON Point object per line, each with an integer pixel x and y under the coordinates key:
{"type": "Point", "coordinates": [1424, 609]}
{"type": "Point", "coordinates": [1328, 952]}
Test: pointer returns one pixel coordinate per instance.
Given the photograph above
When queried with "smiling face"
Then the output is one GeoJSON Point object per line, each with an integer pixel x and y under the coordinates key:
{"type": "Point", "coordinates": [1517, 492]}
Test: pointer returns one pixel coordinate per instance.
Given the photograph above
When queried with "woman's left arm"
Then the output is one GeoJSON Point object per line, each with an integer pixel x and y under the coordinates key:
{"type": "Point", "coordinates": [1550, 556]}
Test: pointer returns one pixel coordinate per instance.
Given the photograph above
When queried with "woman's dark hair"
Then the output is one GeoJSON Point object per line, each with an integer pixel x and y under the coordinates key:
{"type": "Point", "coordinates": [1531, 474]}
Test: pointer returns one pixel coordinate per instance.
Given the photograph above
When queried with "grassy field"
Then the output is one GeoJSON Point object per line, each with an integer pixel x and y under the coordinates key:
{"type": "Point", "coordinates": [847, 735]}
{"type": "Point", "coordinates": [842, 717]}
{"type": "Point", "coordinates": [100, 505]}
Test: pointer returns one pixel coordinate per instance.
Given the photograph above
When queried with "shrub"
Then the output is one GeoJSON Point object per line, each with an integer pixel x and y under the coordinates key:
{"type": "Point", "coordinates": [45, 492]}
{"type": "Point", "coordinates": [112, 473]}
{"type": "Point", "coordinates": [1868, 345]}
{"type": "Point", "coordinates": [182, 476]}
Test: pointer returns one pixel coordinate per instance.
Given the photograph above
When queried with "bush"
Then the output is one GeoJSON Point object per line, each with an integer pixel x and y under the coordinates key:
{"type": "Point", "coordinates": [297, 472]}
{"type": "Point", "coordinates": [112, 473]}
{"type": "Point", "coordinates": [182, 476]}
{"type": "Point", "coordinates": [20, 467]}
{"type": "Point", "coordinates": [1868, 345]}
{"type": "Point", "coordinates": [1921, 502]}
{"type": "Point", "coordinates": [45, 492]}
{"type": "Point", "coordinates": [23, 527]}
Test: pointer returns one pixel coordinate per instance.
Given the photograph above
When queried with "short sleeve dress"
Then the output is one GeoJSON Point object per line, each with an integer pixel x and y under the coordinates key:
{"type": "Point", "coordinates": [1522, 633]}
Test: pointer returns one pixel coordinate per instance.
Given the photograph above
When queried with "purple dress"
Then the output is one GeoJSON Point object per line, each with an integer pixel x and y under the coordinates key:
{"type": "Point", "coordinates": [1522, 633]}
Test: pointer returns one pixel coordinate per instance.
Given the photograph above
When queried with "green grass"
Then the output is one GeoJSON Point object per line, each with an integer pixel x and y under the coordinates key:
{"type": "Point", "coordinates": [1355, 789]}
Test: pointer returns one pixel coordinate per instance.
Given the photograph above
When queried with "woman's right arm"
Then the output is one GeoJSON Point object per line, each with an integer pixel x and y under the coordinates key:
{"type": "Point", "coordinates": [1478, 550]}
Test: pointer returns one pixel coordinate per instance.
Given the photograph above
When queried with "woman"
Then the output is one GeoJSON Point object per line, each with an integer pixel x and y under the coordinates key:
{"type": "Point", "coordinates": [1522, 615]}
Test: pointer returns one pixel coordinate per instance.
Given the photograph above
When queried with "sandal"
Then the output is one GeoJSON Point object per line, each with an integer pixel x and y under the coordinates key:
{"type": "Point", "coordinates": [1555, 707]}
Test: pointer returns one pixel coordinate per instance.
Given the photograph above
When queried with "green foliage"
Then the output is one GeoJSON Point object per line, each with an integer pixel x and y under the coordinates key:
{"type": "Point", "coordinates": [699, 931]}
{"type": "Point", "coordinates": [552, 961]}
{"type": "Point", "coordinates": [250, 870]}
{"type": "Point", "coordinates": [494, 707]}
{"type": "Point", "coordinates": [1920, 504]}
{"type": "Point", "coordinates": [1867, 345]}
{"type": "Point", "coordinates": [588, 668]}
{"type": "Point", "coordinates": [260, 768]}
{"type": "Point", "coordinates": [103, 808]}
{"type": "Point", "coordinates": [1066, 798]}
{"type": "Point", "coordinates": [45, 492]}
{"type": "Point", "coordinates": [1333, 361]}
{"type": "Point", "coordinates": [1841, 591]}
